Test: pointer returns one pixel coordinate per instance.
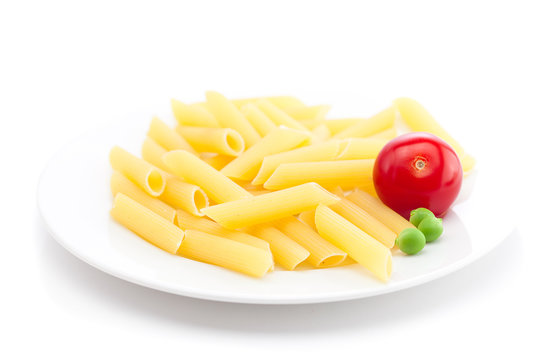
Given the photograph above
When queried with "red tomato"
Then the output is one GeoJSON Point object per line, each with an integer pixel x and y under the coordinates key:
{"type": "Point", "coordinates": [417, 170]}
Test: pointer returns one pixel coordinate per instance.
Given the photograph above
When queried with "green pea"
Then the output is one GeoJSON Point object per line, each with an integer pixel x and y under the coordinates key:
{"type": "Point", "coordinates": [431, 227]}
{"type": "Point", "coordinates": [411, 241]}
{"type": "Point", "coordinates": [418, 215]}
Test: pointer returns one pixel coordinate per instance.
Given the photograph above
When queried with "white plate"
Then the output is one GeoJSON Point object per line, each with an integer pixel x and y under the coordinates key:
{"type": "Point", "coordinates": [74, 200]}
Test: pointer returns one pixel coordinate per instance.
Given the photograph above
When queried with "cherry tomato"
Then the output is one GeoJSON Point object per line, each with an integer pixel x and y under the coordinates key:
{"type": "Point", "coordinates": [417, 170]}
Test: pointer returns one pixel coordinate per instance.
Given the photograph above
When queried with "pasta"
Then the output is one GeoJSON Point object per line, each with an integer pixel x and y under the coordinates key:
{"type": "Point", "coordinates": [286, 251]}
{"type": "Point", "coordinates": [317, 112]}
{"type": "Point", "coordinates": [182, 195]}
{"type": "Point", "coordinates": [365, 221]}
{"type": "Point", "coordinates": [278, 116]}
{"type": "Point", "coordinates": [337, 125]}
{"type": "Point", "coordinates": [322, 253]}
{"type": "Point", "coordinates": [281, 102]}
{"type": "Point", "coordinates": [228, 116]}
{"type": "Point", "coordinates": [345, 173]}
{"type": "Point", "coordinates": [187, 221]}
{"type": "Point", "coordinates": [308, 218]}
{"type": "Point", "coordinates": [226, 253]}
{"type": "Point", "coordinates": [268, 207]}
{"type": "Point", "coordinates": [245, 166]}
{"type": "Point", "coordinates": [213, 140]}
{"type": "Point", "coordinates": [381, 212]}
{"type": "Point", "coordinates": [419, 119]}
{"type": "Point", "coordinates": [218, 162]}
{"type": "Point", "coordinates": [193, 115]}
{"type": "Point", "coordinates": [258, 119]}
{"type": "Point", "coordinates": [319, 134]}
{"type": "Point", "coordinates": [357, 148]}
{"type": "Point", "coordinates": [318, 152]}
{"type": "Point", "coordinates": [146, 223]}
{"type": "Point", "coordinates": [385, 135]}
{"type": "Point", "coordinates": [121, 184]}
{"type": "Point", "coordinates": [361, 247]}
{"type": "Point", "coordinates": [367, 127]}
{"type": "Point", "coordinates": [142, 173]}
{"type": "Point", "coordinates": [153, 153]}
{"type": "Point", "coordinates": [167, 137]}
{"type": "Point", "coordinates": [217, 186]}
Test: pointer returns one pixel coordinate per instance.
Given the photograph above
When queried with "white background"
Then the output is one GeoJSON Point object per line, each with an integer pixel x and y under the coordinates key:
{"type": "Point", "coordinates": [69, 67]}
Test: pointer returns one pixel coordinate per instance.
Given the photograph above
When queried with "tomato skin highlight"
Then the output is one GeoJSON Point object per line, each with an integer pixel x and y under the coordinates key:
{"type": "Point", "coordinates": [417, 170]}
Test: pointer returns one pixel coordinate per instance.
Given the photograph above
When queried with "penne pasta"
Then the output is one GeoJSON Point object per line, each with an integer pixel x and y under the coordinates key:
{"type": "Point", "coordinates": [281, 102]}
{"type": "Point", "coordinates": [167, 137]}
{"type": "Point", "coordinates": [370, 126]}
{"type": "Point", "coordinates": [418, 118]}
{"type": "Point", "coordinates": [344, 173]}
{"type": "Point", "coordinates": [226, 253]}
{"type": "Point", "coordinates": [269, 207]}
{"type": "Point", "coordinates": [320, 134]}
{"type": "Point", "coordinates": [218, 162]}
{"type": "Point", "coordinates": [142, 173]}
{"type": "Point", "coordinates": [182, 195]}
{"type": "Point", "coordinates": [186, 221]}
{"type": "Point", "coordinates": [245, 166]}
{"type": "Point", "coordinates": [317, 112]}
{"type": "Point", "coordinates": [361, 247]}
{"type": "Point", "coordinates": [322, 253]}
{"type": "Point", "coordinates": [146, 223]}
{"type": "Point", "coordinates": [318, 152]}
{"type": "Point", "coordinates": [286, 251]}
{"type": "Point", "coordinates": [365, 221]}
{"type": "Point", "coordinates": [193, 115]}
{"type": "Point", "coordinates": [153, 153]}
{"type": "Point", "coordinates": [258, 119]}
{"type": "Point", "coordinates": [385, 135]}
{"type": "Point", "coordinates": [278, 116]}
{"type": "Point", "coordinates": [308, 218]}
{"type": "Point", "coordinates": [121, 184]}
{"type": "Point", "coordinates": [228, 116]}
{"type": "Point", "coordinates": [213, 140]}
{"type": "Point", "coordinates": [360, 148]}
{"type": "Point", "coordinates": [337, 125]}
{"type": "Point", "coordinates": [381, 212]}
{"type": "Point", "coordinates": [217, 186]}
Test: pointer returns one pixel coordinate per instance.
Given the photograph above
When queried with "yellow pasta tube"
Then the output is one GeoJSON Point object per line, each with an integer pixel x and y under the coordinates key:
{"type": "Point", "coordinates": [213, 140]}
{"type": "Point", "coordinates": [365, 221]}
{"type": "Point", "coordinates": [228, 116]}
{"type": "Point", "coordinates": [337, 125]}
{"type": "Point", "coordinates": [217, 186]}
{"type": "Point", "coordinates": [218, 162]}
{"type": "Point", "coordinates": [370, 126]}
{"type": "Point", "coordinates": [419, 119]}
{"type": "Point", "coordinates": [319, 152]}
{"type": "Point", "coordinates": [317, 112]}
{"type": "Point", "coordinates": [186, 221]}
{"type": "Point", "coordinates": [142, 173]}
{"type": "Point", "coordinates": [153, 152]}
{"type": "Point", "coordinates": [320, 134]}
{"type": "Point", "coordinates": [258, 119]}
{"type": "Point", "coordinates": [193, 115]}
{"type": "Point", "coordinates": [385, 135]}
{"type": "Point", "coordinates": [281, 101]}
{"type": "Point", "coordinates": [146, 223]}
{"type": "Point", "coordinates": [183, 195]}
{"type": "Point", "coordinates": [308, 218]}
{"type": "Point", "coordinates": [322, 253]}
{"type": "Point", "coordinates": [381, 212]}
{"type": "Point", "coordinates": [268, 207]}
{"type": "Point", "coordinates": [121, 184]}
{"type": "Point", "coordinates": [167, 137]}
{"type": "Point", "coordinates": [364, 249]}
{"type": "Point", "coordinates": [360, 148]}
{"type": "Point", "coordinates": [245, 166]}
{"type": "Point", "coordinates": [344, 173]}
{"type": "Point", "coordinates": [278, 116]}
{"type": "Point", "coordinates": [226, 253]}
{"type": "Point", "coordinates": [286, 251]}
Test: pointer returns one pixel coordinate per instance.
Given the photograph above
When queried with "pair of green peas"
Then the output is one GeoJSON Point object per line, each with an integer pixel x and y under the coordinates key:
{"type": "Point", "coordinates": [428, 228]}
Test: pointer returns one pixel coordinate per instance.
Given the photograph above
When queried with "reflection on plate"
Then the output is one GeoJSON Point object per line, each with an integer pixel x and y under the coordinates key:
{"type": "Point", "coordinates": [74, 200]}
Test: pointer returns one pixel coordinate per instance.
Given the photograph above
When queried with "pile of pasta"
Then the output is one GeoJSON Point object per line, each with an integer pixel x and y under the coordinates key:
{"type": "Point", "coordinates": [248, 182]}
